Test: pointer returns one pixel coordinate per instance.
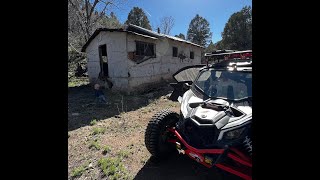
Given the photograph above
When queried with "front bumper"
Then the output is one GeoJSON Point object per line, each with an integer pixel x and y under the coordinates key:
{"type": "Point", "coordinates": [204, 156]}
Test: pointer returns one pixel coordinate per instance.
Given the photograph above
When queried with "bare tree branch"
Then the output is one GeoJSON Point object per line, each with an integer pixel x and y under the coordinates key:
{"type": "Point", "coordinates": [101, 14]}
{"type": "Point", "coordinates": [75, 48]}
{"type": "Point", "coordinates": [80, 18]}
{"type": "Point", "coordinates": [166, 24]}
{"type": "Point", "coordinates": [84, 17]}
{"type": "Point", "coordinates": [92, 8]}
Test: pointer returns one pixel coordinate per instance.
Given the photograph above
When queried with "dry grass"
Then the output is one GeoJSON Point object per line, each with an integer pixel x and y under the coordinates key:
{"type": "Point", "coordinates": [116, 143]}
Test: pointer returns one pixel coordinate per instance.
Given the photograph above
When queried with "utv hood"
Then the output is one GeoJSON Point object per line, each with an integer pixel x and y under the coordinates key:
{"type": "Point", "coordinates": [203, 116]}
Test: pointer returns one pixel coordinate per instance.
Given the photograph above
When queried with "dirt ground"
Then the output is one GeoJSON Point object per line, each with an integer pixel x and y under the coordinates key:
{"type": "Point", "coordinates": [116, 132]}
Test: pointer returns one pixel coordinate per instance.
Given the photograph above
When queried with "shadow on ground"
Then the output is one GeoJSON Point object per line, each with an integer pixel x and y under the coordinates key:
{"type": "Point", "coordinates": [180, 167]}
{"type": "Point", "coordinates": [82, 108]}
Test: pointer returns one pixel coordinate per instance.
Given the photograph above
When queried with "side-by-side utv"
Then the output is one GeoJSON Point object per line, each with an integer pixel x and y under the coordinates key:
{"type": "Point", "coordinates": [214, 124]}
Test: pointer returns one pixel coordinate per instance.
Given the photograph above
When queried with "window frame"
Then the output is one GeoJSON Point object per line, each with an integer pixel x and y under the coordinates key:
{"type": "Point", "coordinates": [145, 44]}
{"type": "Point", "coordinates": [174, 53]}
{"type": "Point", "coordinates": [191, 54]}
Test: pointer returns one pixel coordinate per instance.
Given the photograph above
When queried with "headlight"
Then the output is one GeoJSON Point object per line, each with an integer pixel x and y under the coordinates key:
{"type": "Point", "coordinates": [233, 134]}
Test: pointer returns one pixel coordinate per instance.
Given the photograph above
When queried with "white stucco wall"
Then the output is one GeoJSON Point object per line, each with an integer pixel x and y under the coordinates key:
{"type": "Point", "coordinates": [117, 58]}
{"type": "Point", "coordinates": [154, 70]}
{"type": "Point", "coordinates": [161, 67]}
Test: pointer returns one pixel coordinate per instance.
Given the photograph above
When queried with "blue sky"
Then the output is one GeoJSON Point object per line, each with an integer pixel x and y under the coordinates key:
{"type": "Point", "coordinates": [217, 12]}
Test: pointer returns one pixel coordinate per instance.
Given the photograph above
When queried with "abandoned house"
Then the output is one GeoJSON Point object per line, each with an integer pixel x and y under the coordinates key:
{"type": "Point", "coordinates": [132, 58]}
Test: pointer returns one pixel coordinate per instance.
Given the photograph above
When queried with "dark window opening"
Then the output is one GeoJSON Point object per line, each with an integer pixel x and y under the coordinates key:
{"type": "Point", "coordinates": [191, 55]}
{"type": "Point", "coordinates": [103, 50]}
{"type": "Point", "coordinates": [103, 61]}
{"type": "Point", "coordinates": [145, 49]}
{"type": "Point", "coordinates": [174, 51]}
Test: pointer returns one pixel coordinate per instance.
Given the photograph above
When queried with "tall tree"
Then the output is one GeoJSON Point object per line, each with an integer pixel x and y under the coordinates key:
{"type": "Point", "coordinates": [166, 24]}
{"type": "Point", "coordinates": [211, 47]}
{"type": "Point", "coordinates": [237, 33]}
{"type": "Point", "coordinates": [137, 17]}
{"type": "Point", "coordinates": [199, 31]}
{"type": "Point", "coordinates": [181, 36]}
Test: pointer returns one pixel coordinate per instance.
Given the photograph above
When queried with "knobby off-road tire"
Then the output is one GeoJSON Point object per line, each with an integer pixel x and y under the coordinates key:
{"type": "Point", "coordinates": [156, 133]}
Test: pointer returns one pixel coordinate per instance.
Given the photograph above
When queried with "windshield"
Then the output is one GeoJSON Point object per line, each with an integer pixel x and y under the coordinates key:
{"type": "Point", "coordinates": [225, 84]}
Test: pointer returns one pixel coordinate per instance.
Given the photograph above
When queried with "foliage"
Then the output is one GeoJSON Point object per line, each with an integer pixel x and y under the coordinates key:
{"type": "Point", "coordinates": [137, 17]}
{"type": "Point", "coordinates": [113, 168]}
{"type": "Point", "coordinates": [111, 21]}
{"type": "Point", "coordinates": [199, 31]}
{"type": "Point", "coordinates": [94, 144]}
{"type": "Point", "coordinates": [181, 36]}
{"type": "Point", "coordinates": [97, 130]}
{"type": "Point", "coordinates": [79, 170]}
{"type": "Point", "coordinates": [106, 149]}
{"type": "Point", "coordinates": [219, 45]}
{"type": "Point", "coordinates": [93, 122]}
{"type": "Point", "coordinates": [211, 47]}
{"type": "Point", "coordinates": [237, 33]}
{"type": "Point", "coordinates": [123, 154]}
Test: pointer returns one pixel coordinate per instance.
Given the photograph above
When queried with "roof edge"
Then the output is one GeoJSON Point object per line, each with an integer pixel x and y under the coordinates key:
{"type": "Point", "coordinates": [148, 33]}
{"type": "Point", "coordinates": [96, 32]}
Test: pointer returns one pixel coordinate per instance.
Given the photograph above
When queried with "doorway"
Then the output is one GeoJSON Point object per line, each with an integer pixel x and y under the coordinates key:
{"type": "Point", "coordinates": [103, 56]}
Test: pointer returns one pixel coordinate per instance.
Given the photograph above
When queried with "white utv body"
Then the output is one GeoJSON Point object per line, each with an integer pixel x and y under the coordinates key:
{"type": "Point", "coordinates": [214, 123]}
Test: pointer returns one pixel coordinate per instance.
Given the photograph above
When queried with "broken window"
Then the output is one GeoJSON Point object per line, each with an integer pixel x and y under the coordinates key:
{"type": "Point", "coordinates": [174, 51]}
{"type": "Point", "coordinates": [191, 55]}
{"type": "Point", "coordinates": [145, 49]}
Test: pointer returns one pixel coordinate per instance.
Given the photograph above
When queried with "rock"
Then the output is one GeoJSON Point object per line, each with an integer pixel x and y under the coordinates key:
{"type": "Point", "coordinates": [117, 116]}
{"type": "Point", "coordinates": [90, 165]}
